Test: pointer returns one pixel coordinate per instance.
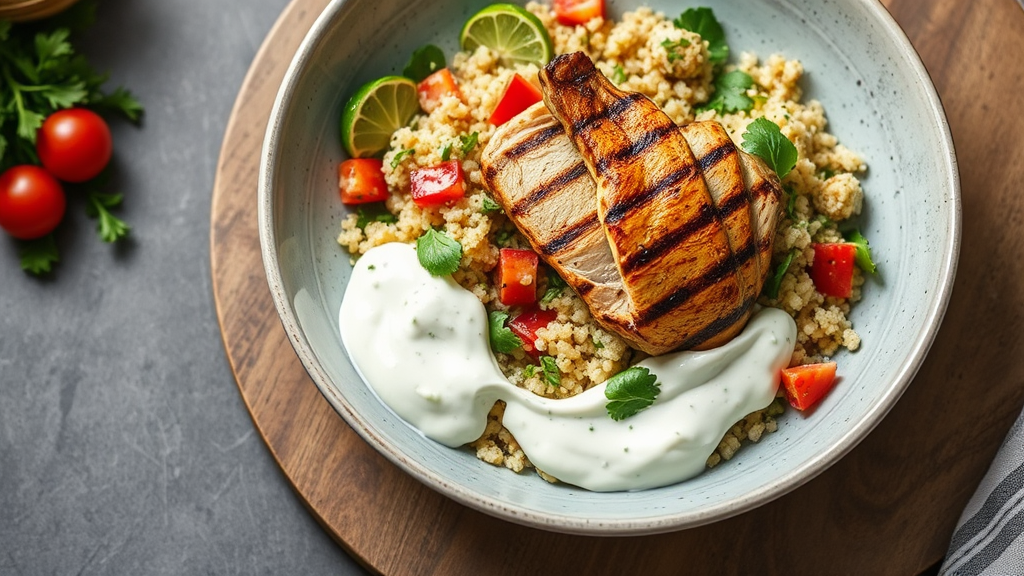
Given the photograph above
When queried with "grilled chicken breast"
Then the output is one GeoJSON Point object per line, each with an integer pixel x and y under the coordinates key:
{"type": "Point", "coordinates": [652, 225]}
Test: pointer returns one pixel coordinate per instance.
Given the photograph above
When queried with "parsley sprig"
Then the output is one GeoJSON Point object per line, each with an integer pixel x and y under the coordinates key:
{"type": "Point", "coordinates": [763, 138]}
{"type": "Point", "coordinates": [630, 391]}
{"type": "Point", "coordinates": [702, 21]}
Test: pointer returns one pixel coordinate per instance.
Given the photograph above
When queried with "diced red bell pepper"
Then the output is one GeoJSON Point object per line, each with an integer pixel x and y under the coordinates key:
{"type": "Point", "coordinates": [519, 95]}
{"type": "Point", "coordinates": [526, 325]}
{"type": "Point", "coordinates": [361, 180]}
{"type": "Point", "coordinates": [438, 184]}
{"type": "Point", "coordinates": [433, 87]}
{"type": "Point", "coordinates": [807, 384]}
{"type": "Point", "coordinates": [573, 12]}
{"type": "Point", "coordinates": [517, 276]}
{"type": "Point", "coordinates": [832, 269]}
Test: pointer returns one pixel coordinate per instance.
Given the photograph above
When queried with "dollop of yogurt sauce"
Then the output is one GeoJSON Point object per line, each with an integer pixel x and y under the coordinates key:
{"type": "Point", "coordinates": [421, 342]}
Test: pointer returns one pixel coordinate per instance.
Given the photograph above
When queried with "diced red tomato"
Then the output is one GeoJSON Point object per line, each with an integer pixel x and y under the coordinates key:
{"type": "Point", "coordinates": [807, 384]}
{"type": "Point", "coordinates": [439, 184]}
{"type": "Point", "coordinates": [433, 87]}
{"type": "Point", "coordinates": [832, 269]}
{"type": "Point", "coordinates": [519, 95]}
{"type": "Point", "coordinates": [361, 180]}
{"type": "Point", "coordinates": [517, 276]}
{"type": "Point", "coordinates": [573, 12]}
{"type": "Point", "coordinates": [526, 325]}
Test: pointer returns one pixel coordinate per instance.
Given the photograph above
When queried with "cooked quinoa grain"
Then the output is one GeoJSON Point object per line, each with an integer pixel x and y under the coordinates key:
{"type": "Point", "coordinates": [646, 53]}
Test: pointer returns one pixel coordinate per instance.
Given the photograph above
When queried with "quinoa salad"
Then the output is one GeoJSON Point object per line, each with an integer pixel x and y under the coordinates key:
{"type": "Point", "coordinates": [645, 52]}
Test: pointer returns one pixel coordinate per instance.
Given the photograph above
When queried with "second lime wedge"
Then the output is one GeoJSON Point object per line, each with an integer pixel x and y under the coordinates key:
{"type": "Point", "coordinates": [374, 112]}
{"type": "Point", "coordinates": [516, 35]}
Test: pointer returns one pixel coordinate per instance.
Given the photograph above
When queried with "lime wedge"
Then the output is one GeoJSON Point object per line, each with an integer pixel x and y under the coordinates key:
{"type": "Point", "coordinates": [516, 35]}
{"type": "Point", "coordinates": [374, 112]}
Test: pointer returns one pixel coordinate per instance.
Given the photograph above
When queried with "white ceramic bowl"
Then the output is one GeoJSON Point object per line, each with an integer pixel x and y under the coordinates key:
{"type": "Point", "coordinates": [879, 101]}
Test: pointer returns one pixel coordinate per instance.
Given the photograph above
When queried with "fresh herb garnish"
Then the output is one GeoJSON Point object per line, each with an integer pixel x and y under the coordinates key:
{"type": "Point", "coordinates": [674, 48]}
{"type": "Point", "coordinates": [467, 143]}
{"type": "Point", "coordinates": [439, 253]}
{"type": "Point", "coordinates": [503, 237]}
{"type": "Point", "coordinates": [764, 138]}
{"type": "Point", "coordinates": [597, 343]}
{"type": "Point", "coordinates": [110, 227]}
{"type": "Point", "coordinates": [731, 93]}
{"type": "Point", "coordinates": [397, 159]}
{"type": "Point", "coordinates": [863, 255]}
{"type": "Point", "coordinates": [529, 371]}
{"type": "Point", "coordinates": [630, 391]}
{"type": "Point", "coordinates": [373, 212]}
{"type": "Point", "coordinates": [774, 282]}
{"type": "Point", "coordinates": [37, 256]}
{"type": "Point", "coordinates": [552, 375]}
{"type": "Point", "coordinates": [618, 74]}
{"type": "Point", "coordinates": [424, 62]}
{"type": "Point", "coordinates": [502, 338]}
{"type": "Point", "coordinates": [446, 152]}
{"type": "Point", "coordinates": [555, 287]}
{"type": "Point", "coordinates": [790, 202]}
{"type": "Point", "coordinates": [702, 21]}
{"type": "Point", "coordinates": [490, 205]}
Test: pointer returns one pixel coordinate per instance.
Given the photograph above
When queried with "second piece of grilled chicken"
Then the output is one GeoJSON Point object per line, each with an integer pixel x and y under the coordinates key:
{"type": "Point", "coordinates": [655, 227]}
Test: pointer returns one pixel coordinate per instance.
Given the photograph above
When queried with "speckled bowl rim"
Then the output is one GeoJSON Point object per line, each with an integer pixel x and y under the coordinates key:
{"type": "Point", "coordinates": [613, 527]}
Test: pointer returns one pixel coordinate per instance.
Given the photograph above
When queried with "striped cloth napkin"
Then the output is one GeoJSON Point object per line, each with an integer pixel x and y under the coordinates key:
{"type": "Point", "coordinates": [989, 537]}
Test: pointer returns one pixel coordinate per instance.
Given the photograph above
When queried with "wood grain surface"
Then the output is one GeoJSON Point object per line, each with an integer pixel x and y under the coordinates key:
{"type": "Point", "coordinates": [889, 507]}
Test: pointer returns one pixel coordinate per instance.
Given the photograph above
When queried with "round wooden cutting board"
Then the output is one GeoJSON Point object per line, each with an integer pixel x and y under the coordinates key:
{"type": "Point", "coordinates": [888, 507]}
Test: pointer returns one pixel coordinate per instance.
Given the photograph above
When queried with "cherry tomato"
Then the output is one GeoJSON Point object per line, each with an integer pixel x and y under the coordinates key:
{"type": "Point", "coordinates": [573, 12]}
{"type": "Point", "coordinates": [361, 180]}
{"type": "Point", "coordinates": [74, 144]}
{"type": "Point", "coordinates": [518, 96]}
{"type": "Point", "coordinates": [526, 325]}
{"type": "Point", "coordinates": [31, 202]}
{"type": "Point", "coordinates": [436, 185]}
{"type": "Point", "coordinates": [433, 87]}
{"type": "Point", "coordinates": [517, 276]}
{"type": "Point", "coordinates": [807, 384]}
{"type": "Point", "coordinates": [832, 269]}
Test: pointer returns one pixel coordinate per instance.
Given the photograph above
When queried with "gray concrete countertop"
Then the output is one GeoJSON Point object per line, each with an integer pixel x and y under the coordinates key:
{"type": "Point", "coordinates": [125, 447]}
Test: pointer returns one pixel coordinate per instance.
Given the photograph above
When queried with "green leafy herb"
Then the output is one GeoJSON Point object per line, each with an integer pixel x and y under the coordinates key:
{"type": "Point", "coordinates": [490, 205]}
{"type": "Point", "coordinates": [703, 22]}
{"type": "Point", "coordinates": [555, 287]}
{"type": "Point", "coordinates": [424, 62]}
{"type": "Point", "coordinates": [764, 138]}
{"type": "Point", "coordinates": [397, 159]}
{"type": "Point", "coordinates": [467, 143]}
{"type": "Point", "coordinates": [631, 391]}
{"type": "Point", "coordinates": [863, 255]}
{"type": "Point", "coordinates": [597, 344]}
{"type": "Point", "coordinates": [790, 203]}
{"type": "Point", "coordinates": [529, 371]}
{"type": "Point", "coordinates": [502, 338]}
{"type": "Point", "coordinates": [37, 256]}
{"type": "Point", "coordinates": [110, 227]}
{"type": "Point", "coordinates": [674, 48]}
{"type": "Point", "coordinates": [446, 152]}
{"type": "Point", "coordinates": [731, 93]}
{"type": "Point", "coordinates": [771, 286]}
{"type": "Point", "coordinates": [618, 74]}
{"type": "Point", "coordinates": [438, 253]}
{"type": "Point", "coordinates": [374, 212]}
{"type": "Point", "coordinates": [40, 73]}
{"type": "Point", "coordinates": [552, 375]}
{"type": "Point", "coordinates": [503, 237]}
{"type": "Point", "coordinates": [826, 174]}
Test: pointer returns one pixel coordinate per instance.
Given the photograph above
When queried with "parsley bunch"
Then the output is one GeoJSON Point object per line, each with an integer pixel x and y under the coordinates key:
{"type": "Point", "coordinates": [40, 73]}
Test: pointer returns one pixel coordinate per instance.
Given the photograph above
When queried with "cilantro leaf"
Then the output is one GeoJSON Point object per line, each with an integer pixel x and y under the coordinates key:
{"type": "Point", "coordinates": [439, 253]}
{"type": "Point", "coordinates": [555, 287]}
{"type": "Point", "coordinates": [490, 205]}
{"type": "Point", "coordinates": [863, 255]}
{"type": "Point", "coordinates": [772, 285]}
{"type": "Point", "coordinates": [764, 138]}
{"type": "Point", "coordinates": [674, 49]}
{"type": "Point", "coordinates": [446, 152]}
{"type": "Point", "coordinates": [790, 203]}
{"type": "Point", "coordinates": [374, 212]}
{"type": "Point", "coordinates": [703, 22]}
{"type": "Point", "coordinates": [501, 337]}
{"type": "Point", "coordinates": [424, 62]}
{"type": "Point", "coordinates": [731, 93]}
{"type": "Point", "coordinates": [397, 159]}
{"type": "Point", "coordinates": [552, 375]}
{"type": "Point", "coordinates": [630, 391]}
{"type": "Point", "coordinates": [467, 143]}
{"type": "Point", "coordinates": [37, 256]}
{"type": "Point", "coordinates": [110, 227]}
{"type": "Point", "coordinates": [618, 74]}
{"type": "Point", "coordinates": [120, 100]}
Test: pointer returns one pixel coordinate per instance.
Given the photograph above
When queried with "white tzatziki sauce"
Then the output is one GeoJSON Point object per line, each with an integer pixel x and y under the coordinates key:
{"type": "Point", "coordinates": [421, 343]}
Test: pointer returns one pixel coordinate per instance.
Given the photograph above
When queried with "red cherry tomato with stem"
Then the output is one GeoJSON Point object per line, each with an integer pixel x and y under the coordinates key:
{"type": "Point", "coordinates": [31, 202]}
{"type": "Point", "coordinates": [74, 144]}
